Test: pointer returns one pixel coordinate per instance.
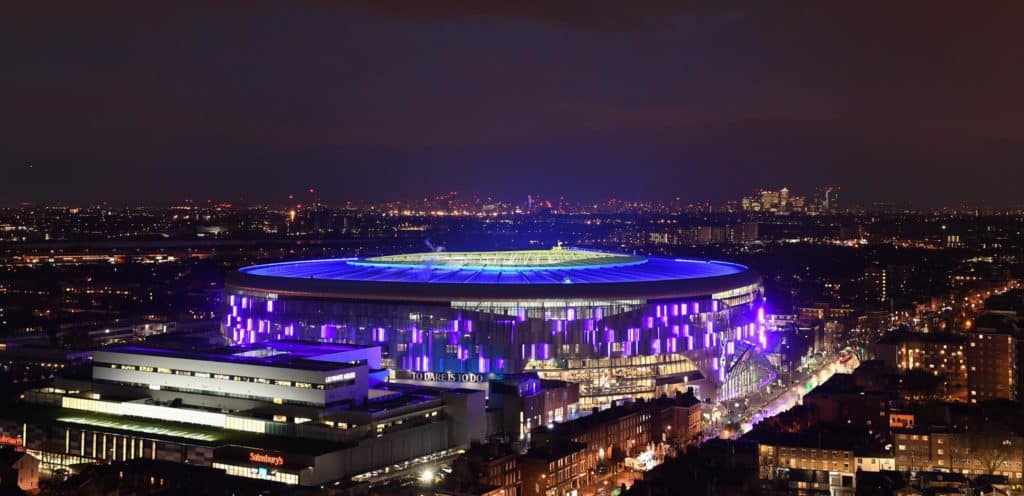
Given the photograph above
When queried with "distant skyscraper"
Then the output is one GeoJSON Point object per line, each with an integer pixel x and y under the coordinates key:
{"type": "Point", "coordinates": [830, 199]}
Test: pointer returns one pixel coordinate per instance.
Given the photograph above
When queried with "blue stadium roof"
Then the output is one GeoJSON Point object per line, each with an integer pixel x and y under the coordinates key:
{"type": "Point", "coordinates": [533, 267]}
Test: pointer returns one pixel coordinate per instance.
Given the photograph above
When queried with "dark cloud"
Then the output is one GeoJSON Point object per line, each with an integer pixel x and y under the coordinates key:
{"type": "Point", "coordinates": [140, 101]}
{"type": "Point", "coordinates": [640, 15]}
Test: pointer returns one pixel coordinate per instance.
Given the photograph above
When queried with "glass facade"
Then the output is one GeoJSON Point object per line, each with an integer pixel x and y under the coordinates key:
{"type": "Point", "coordinates": [620, 348]}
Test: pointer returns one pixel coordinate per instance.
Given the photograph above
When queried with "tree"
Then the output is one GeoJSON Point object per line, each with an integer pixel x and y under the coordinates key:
{"type": "Point", "coordinates": [993, 449]}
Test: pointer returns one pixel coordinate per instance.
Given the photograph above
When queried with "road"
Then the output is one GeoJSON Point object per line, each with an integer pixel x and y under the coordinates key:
{"type": "Point", "coordinates": [782, 400]}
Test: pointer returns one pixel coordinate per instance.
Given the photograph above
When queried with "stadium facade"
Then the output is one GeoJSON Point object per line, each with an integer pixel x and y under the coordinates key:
{"type": "Point", "coordinates": [622, 326]}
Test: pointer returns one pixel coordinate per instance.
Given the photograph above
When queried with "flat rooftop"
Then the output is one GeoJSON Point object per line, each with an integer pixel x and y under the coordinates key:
{"type": "Point", "coordinates": [284, 354]}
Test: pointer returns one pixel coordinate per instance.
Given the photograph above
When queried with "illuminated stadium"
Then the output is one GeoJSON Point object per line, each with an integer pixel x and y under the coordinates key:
{"type": "Point", "coordinates": [622, 326]}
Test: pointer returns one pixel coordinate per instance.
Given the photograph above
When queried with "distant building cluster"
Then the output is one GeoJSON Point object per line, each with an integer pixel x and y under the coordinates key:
{"type": "Point", "coordinates": [824, 201]}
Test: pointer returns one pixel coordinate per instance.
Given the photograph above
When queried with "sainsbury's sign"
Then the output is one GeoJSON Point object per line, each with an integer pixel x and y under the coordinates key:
{"type": "Point", "coordinates": [257, 457]}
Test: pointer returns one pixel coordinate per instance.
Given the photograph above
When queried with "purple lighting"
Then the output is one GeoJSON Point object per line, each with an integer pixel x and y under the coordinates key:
{"type": "Point", "coordinates": [470, 337]}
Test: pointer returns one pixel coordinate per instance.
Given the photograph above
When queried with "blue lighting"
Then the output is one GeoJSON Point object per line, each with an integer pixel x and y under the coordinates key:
{"type": "Point", "coordinates": [352, 269]}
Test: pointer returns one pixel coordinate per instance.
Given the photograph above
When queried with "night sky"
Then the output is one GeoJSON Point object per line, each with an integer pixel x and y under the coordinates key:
{"type": "Point", "coordinates": [897, 101]}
